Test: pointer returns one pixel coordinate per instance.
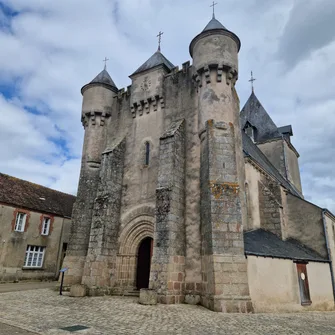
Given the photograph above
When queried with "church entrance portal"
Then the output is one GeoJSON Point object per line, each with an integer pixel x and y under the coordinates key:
{"type": "Point", "coordinates": [143, 263]}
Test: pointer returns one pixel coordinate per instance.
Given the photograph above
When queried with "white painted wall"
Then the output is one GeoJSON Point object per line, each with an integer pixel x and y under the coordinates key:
{"type": "Point", "coordinates": [274, 286]}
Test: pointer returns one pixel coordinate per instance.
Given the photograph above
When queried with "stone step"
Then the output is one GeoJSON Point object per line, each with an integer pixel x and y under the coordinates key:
{"type": "Point", "coordinates": [132, 294]}
{"type": "Point", "coordinates": [127, 293]}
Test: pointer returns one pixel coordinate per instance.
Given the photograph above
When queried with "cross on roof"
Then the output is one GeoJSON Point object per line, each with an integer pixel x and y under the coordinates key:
{"type": "Point", "coordinates": [252, 79]}
{"type": "Point", "coordinates": [105, 60]}
{"type": "Point", "coordinates": [159, 40]}
{"type": "Point", "coordinates": [213, 5]}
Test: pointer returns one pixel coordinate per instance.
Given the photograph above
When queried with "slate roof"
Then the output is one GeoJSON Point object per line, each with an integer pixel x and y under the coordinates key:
{"type": "Point", "coordinates": [250, 149]}
{"type": "Point", "coordinates": [263, 243]}
{"type": "Point", "coordinates": [155, 60]}
{"type": "Point", "coordinates": [104, 78]}
{"type": "Point", "coordinates": [21, 193]}
{"type": "Point", "coordinates": [254, 112]}
{"type": "Point", "coordinates": [286, 130]}
{"type": "Point", "coordinates": [214, 24]}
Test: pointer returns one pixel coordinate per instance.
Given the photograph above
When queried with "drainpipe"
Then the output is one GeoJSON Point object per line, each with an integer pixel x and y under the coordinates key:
{"type": "Point", "coordinates": [328, 252]}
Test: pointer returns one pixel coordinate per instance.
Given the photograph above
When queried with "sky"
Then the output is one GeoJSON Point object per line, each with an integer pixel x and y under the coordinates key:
{"type": "Point", "coordinates": [49, 49]}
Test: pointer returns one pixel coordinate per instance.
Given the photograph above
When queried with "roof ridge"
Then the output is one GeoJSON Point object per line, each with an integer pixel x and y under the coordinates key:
{"type": "Point", "coordinates": [38, 185]}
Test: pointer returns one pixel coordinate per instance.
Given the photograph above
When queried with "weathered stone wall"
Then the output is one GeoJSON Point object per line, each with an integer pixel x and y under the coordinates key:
{"type": "Point", "coordinates": [225, 281]}
{"type": "Point", "coordinates": [304, 223]}
{"type": "Point", "coordinates": [274, 151]}
{"type": "Point", "coordinates": [100, 265]}
{"type": "Point", "coordinates": [81, 225]}
{"type": "Point", "coordinates": [180, 104]}
{"type": "Point", "coordinates": [168, 260]}
{"type": "Point", "coordinates": [270, 205]}
{"type": "Point", "coordinates": [292, 163]}
{"type": "Point", "coordinates": [140, 180]}
{"type": "Point", "coordinates": [253, 176]}
{"type": "Point", "coordinates": [284, 158]}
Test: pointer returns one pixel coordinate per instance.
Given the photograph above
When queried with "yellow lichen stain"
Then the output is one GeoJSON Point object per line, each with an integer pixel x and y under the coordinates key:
{"type": "Point", "coordinates": [217, 189]}
{"type": "Point", "coordinates": [210, 123]}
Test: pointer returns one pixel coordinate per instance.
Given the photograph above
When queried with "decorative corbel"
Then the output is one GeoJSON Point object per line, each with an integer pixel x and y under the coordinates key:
{"type": "Point", "coordinates": [146, 106]}
{"type": "Point", "coordinates": [154, 103]}
{"type": "Point", "coordinates": [207, 74]}
{"type": "Point", "coordinates": [133, 111]}
{"type": "Point", "coordinates": [140, 109]}
{"type": "Point", "coordinates": [162, 102]}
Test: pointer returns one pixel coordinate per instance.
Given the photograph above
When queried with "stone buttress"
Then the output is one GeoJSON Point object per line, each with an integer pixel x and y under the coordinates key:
{"type": "Point", "coordinates": [224, 266]}
{"type": "Point", "coordinates": [168, 262]}
{"type": "Point", "coordinates": [100, 265]}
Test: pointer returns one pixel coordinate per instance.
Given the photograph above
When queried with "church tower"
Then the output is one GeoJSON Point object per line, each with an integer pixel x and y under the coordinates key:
{"type": "Point", "coordinates": [160, 203]}
{"type": "Point", "coordinates": [224, 267]}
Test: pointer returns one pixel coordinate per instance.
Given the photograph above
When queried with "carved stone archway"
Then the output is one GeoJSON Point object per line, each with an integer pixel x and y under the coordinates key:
{"type": "Point", "coordinates": [137, 229]}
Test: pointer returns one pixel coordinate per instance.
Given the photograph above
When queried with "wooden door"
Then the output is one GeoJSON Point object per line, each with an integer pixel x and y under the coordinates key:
{"type": "Point", "coordinates": [303, 284]}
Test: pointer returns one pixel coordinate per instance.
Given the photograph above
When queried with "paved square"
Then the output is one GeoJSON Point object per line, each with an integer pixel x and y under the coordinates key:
{"type": "Point", "coordinates": [45, 312]}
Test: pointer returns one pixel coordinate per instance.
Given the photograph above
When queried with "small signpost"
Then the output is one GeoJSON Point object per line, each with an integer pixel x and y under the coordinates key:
{"type": "Point", "coordinates": [62, 280]}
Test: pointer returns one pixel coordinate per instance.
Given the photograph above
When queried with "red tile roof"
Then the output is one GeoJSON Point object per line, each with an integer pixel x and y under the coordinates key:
{"type": "Point", "coordinates": [21, 193]}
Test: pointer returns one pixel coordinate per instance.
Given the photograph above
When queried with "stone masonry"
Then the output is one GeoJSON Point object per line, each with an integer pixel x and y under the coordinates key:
{"type": "Point", "coordinates": [225, 281]}
{"type": "Point", "coordinates": [163, 160]}
{"type": "Point", "coordinates": [168, 262]}
{"type": "Point", "coordinates": [270, 204]}
{"type": "Point", "coordinates": [100, 265]}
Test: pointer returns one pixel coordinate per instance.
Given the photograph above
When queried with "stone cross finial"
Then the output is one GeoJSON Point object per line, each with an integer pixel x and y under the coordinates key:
{"type": "Point", "coordinates": [105, 60]}
{"type": "Point", "coordinates": [159, 40]}
{"type": "Point", "coordinates": [213, 5]}
{"type": "Point", "coordinates": [252, 79]}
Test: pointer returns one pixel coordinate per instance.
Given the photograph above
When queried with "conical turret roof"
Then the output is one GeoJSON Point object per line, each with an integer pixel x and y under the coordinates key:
{"type": "Point", "coordinates": [155, 60]}
{"type": "Point", "coordinates": [214, 24]}
{"type": "Point", "coordinates": [102, 78]}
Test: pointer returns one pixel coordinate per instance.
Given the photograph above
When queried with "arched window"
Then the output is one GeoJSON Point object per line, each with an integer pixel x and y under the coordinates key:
{"type": "Point", "coordinates": [147, 153]}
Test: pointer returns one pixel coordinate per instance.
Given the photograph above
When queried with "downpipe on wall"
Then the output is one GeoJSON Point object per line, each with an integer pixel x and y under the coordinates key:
{"type": "Point", "coordinates": [328, 252]}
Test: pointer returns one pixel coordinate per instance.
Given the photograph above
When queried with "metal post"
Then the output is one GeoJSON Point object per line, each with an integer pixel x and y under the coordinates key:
{"type": "Point", "coordinates": [61, 284]}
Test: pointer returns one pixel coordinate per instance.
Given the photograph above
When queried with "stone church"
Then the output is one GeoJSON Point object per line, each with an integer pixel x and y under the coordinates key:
{"type": "Point", "coordinates": [183, 193]}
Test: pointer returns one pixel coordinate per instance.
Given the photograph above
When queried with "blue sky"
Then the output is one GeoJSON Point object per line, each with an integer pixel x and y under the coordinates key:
{"type": "Point", "coordinates": [50, 49]}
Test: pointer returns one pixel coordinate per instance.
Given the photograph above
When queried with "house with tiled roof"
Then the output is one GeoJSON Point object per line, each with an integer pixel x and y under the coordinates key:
{"type": "Point", "coordinates": [34, 229]}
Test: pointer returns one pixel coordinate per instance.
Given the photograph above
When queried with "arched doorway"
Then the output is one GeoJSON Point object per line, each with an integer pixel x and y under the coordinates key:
{"type": "Point", "coordinates": [143, 263]}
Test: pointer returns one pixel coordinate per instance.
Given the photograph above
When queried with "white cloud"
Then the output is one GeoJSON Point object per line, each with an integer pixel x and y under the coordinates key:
{"type": "Point", "coordinates": [50, 49]}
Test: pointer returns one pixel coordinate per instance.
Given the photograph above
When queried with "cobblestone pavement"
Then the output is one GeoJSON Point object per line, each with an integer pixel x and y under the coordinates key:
{"type": "Point", "coordinates": [10, 330]}
{"type": "Point", "coordinates": [44, 312]}
{"type": "Point", "coordinates": [23, 286]}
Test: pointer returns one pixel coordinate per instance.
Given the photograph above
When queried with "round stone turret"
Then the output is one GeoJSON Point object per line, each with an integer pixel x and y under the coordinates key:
{"type": "Point", "coordinates": [98, 99]}
{"type": "Point", "coordinates": [216, 46]}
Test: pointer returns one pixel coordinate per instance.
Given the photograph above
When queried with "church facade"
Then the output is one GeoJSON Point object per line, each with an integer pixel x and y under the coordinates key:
{"type": "Point", "coordinates": [182, 193]}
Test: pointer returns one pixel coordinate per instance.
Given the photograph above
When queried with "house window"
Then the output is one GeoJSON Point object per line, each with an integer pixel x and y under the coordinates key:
{"type": "Point", "coordinates": [20, 222]}
{"type": "Point", "coordinates": [147, 153]}
{"type": "Point", "coordinates": [34, 256]}
{"type": "Point", "coordinates": [45, 226]}
{"type": "Point", "coordinates": [303, 284]}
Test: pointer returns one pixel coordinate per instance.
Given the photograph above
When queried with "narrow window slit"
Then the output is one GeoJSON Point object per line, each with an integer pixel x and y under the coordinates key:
{"type": "Point", "coordinates": [147, 153]}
